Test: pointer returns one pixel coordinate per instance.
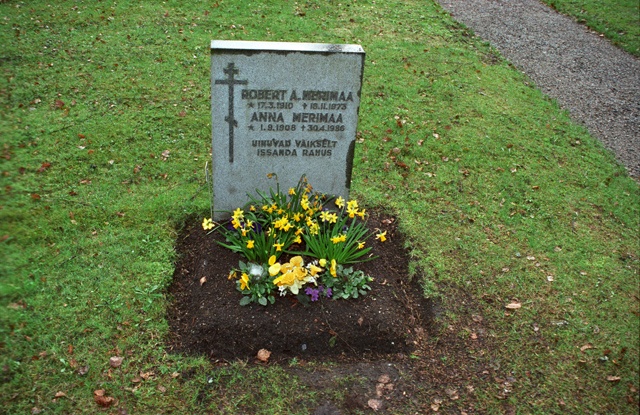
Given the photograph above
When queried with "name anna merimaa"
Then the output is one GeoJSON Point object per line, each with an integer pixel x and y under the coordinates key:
{"type": "Point", "coordinates": [309, 117]}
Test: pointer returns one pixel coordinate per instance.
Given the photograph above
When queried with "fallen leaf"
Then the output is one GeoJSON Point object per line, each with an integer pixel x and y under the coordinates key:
{"type": "Point", "coordinates": [384, 378]}
{"type": "Point", "coordinates": [165, 155]}
{"type": "Point", "coordinates": [263, 355]}
{"type": "Point", "coordinates": [452, 393]}
{"type": "Point", "coordinates": [60, 394]}
{"type": "Point", "coordinates": [147, 375]}
{"type": "Point", "coordinates": [44, 167]}
{"type": "Point", "coordinates": [59, 104]}
{"type": "Point", "coordinates": [102, 400]}
{"type": "Point", "coordinates": [35, 196]}
{"type": "Point", "coordinates": [375, 404]}
{"type": "Point", "coordinates": [613, 378]}
{"type": "Point", "coordinates": [162, 389]}
{"type": "Point", "coordinates": [115, 361]}
{"type": "Point", "coordinates": [203, 280]}
{"type": "Point", "coordinates": [83, 370]}
{"type": "Point", "coordinates": [586, 347]}
{"type": "Point", "coordinates": [513, 306]}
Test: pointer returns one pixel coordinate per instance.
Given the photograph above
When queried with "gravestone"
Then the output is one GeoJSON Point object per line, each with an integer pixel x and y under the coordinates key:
{"type": "Point", "coordinates": [288, 109]}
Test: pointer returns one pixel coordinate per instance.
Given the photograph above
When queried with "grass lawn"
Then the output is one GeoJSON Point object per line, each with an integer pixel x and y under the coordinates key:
{"type": "Point", "coordinates": [105, 128]}
{"type": "Point", "coordinates": [618, 20]}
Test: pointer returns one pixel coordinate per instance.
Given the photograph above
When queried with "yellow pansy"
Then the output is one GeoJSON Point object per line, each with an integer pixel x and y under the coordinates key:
{"type": "Point", "coordinates": [333, 269]}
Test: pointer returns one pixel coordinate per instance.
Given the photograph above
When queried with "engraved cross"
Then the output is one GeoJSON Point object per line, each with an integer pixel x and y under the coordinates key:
{"type": "Point", "coordinates": [231, 72]}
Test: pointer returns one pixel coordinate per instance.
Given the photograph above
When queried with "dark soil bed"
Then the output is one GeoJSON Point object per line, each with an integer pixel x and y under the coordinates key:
{"type": "Point", "coordinates": [207, 319]}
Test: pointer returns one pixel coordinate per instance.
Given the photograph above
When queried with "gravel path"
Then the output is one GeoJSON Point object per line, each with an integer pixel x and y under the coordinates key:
{"type": "Point", "coordinates": [596, 82]}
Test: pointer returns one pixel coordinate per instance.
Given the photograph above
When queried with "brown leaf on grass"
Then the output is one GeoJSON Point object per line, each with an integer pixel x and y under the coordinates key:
{"type": "Point", "coordinates": [60, 394]}
{"type": "Point", "coordinates": [586, 347]}
{"type": "Point", "coordinates": [59, 104]}
{"type": "Point", "coordinates": [147, 375]}
{"type": "Point", "coordinates": [43, 167]}
{"type": "Point", "coordinates": [35, 196]}
{"type": "Point", "coordinates": [165, 155]}
{"type": "Point", "coordinates": [85, 181]}
{"type": "Point", "coordinates": [137, 169]}
{"type": "Point", "coordinates": [611, 378]}
{"type": "Point", "coordinates": [513, 306]}
{"type": "Point", "coordinates": [115, 361]}
{"type": "Point", "coordinates": [101, 399]}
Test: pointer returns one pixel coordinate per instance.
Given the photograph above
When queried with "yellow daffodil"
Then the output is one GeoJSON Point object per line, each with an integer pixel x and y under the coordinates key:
{"type": "Point", "coordinates": [382, 236]}
{"type": "Point", "coordinates": [278, 246]}
{"type": "Point", "coordinates": [244, 281]}
{"type": "Point", "coordinates": [232, 275]}
{"type": "Point", "coordinates": [207, 224]}
{"type": "Point", "coordinates": [244, 231]}
{"type": "Point", "coordinates": [361, 213]}
{"type": "Point", "coordinates": [339, 238]}
{"type": "Point", "coordinates": [305, 203]}
{"type": "Point", "coordinates": [340, 202]}
{"type": "Point", "coordinates": [314, 228]}
{"type": "Point", "coordinates": [360, 245]}
{"type": "Point", "coordinates": [250, 243]}
{"type": "Point", "coordinates": [292, 191]}
{"type": "Point", "coordinates": [252, 208]}
{"type": "Point", "coordinates": [297, 240]}
{"type": "Point", "coordinates": [236, 223]}
{"type": "Point", "coordinates": [238, 214]}
{"type": "Point", "coordinates": [333, 269]}
{"type": "Point", "coordinates": [324, 216]}
{"type": "Point", "coordinates": [299, 231]}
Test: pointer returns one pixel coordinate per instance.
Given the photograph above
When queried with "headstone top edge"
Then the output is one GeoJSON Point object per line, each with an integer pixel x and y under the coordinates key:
{"type": "Point", "coordinates": [259, 46]}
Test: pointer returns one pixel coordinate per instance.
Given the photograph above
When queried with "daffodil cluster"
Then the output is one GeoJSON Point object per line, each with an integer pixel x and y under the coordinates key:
{"type": "Point", "coordinates": [297, 223]}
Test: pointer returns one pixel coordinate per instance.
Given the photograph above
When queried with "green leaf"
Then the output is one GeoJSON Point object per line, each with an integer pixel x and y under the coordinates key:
{"type": "Point", "coordinates": [246, 300]}
{"type": "Point", "coordinates": [262, 300]}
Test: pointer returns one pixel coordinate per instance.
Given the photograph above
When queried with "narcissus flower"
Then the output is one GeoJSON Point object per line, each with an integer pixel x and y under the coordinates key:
{"type": "Point", "coordinates": [238, 214]}
{"type": "Point", "coordinates": [382, 236]}
{"type": "Point", "coordinates": [278, 246]}
{"type": "Point", "coordinates": [333, 270]}
{"type": "Point", "coordinates": [292, 191]}
{"type": "Point", "coordinates": [360, 245]}
{"type": "Point", "coordinates": [340, 202]}
{"type": "Point", "coordinates": [250, 243]}
{"type": "Point", "coordinates": [207, 224]}
{"type": "Point", "coordinates": [244, 281]}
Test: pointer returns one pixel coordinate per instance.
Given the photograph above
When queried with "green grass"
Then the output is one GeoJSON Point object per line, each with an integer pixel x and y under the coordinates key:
{"type": "Point", "coordinates": [497, 174]}
{"type": "Point", "coordinates": [618, 20]}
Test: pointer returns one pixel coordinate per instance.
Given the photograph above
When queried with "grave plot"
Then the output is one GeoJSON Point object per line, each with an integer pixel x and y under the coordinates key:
{"type": "Point", "coordinates": [207, 319]}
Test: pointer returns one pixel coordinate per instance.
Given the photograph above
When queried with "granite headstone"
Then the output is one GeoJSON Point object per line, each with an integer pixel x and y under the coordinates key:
{"type": "Point", "coordinates": [288, 109]}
